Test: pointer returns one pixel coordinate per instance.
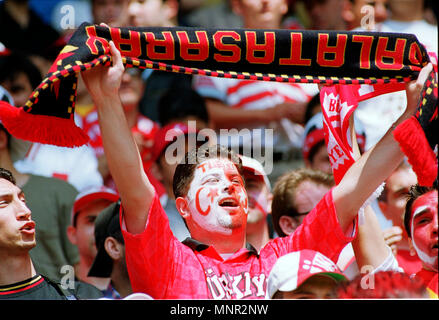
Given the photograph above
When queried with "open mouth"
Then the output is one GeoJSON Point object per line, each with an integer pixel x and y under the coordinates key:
{"type": "Point", "coordinates": [28, 227]}
{"type": "Point", "coordinates": [228, 202]}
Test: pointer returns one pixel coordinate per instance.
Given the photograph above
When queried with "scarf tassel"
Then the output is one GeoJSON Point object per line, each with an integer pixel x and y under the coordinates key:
{"type": "Point", "coordinates": [414, 144]}
{"type": "Point", "coordinates": [41, 128]}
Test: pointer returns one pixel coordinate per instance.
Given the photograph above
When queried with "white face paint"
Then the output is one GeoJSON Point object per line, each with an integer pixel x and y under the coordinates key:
{"type": "Point", "coordinates": [429, 260]}
{"type": "Point", "coordinates": [424, 229]}
{"type": "Point", "coordinates": [217, 197]}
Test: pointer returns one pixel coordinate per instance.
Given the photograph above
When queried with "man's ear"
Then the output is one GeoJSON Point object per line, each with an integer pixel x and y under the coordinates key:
{"type": "Point", "coordinates": [412, 248]}
{"type": "Point", "coordinates": [71, 234]}
{"type": "Point", "coordinates": [3, 140]}
{"type": "Point", "coordinates": [114, 248]}
{"type": "Point", "coordinates": [183, 207]}
{"type": "Point", "coordinates": [287, 224]}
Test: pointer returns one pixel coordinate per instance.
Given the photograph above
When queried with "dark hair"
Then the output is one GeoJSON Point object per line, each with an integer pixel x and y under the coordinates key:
{"type": "Point", "coordinates": [414, 193]}
{"type": "Point", "coordinates": [178, 103]}
{"type": "Point", "coordinates": [7, 175]}
{"type": "Point", "coordinates": [14, 64]}
{"type": "Point", "coordinates": [310, 106]}
{"type": "Point", "coordinates": [283, 203]}
{"type": "Point", "coordinates": [184, 172]}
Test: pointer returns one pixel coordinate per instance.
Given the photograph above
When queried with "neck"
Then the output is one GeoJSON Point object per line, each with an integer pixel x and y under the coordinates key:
{"type": "Point", "coordinates": [223, 243]}
{"type": "Point", "coordinates": [403, 244]}
{"type": "Point", "coordinates": [121, 281]}
{"type": "Point", "coordinates": [81, 271]}
{"type": "Point", "coordinates": [258, 234]}
{"type": "Point", "coordinates": [15, 268]}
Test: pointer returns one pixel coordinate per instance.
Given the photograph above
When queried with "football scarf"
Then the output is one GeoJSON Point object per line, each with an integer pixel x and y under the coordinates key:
{"type": "Point", "coordinates": [359, 65]}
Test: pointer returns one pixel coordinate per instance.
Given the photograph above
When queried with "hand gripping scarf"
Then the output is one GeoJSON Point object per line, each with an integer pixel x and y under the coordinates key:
{"type": "Point", "coordinates": [357, 65]}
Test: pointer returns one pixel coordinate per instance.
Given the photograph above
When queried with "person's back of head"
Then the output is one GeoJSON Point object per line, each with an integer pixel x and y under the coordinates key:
{"type": "Point", "coordinates": [284, 191]}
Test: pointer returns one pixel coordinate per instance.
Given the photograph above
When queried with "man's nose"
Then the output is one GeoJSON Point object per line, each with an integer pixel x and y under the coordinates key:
{"type": "Point", "coordinates": [435, 224]}
{"type": "Point", "coordinates": [24, 212]}
{"type": "Point", "coordinates": [229, 187]}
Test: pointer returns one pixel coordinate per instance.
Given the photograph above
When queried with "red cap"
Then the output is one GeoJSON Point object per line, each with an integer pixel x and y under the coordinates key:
{"type": "Point", "coordinates": [94, 193]}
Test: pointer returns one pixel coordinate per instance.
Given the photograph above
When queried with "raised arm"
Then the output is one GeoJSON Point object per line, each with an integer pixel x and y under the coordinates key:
{"type": "Point", "coordinates": [120, 149]}
{"type": "Point", "coordinates": [369, 245]}
{"type": "Point", "coordinates": [374, 166]}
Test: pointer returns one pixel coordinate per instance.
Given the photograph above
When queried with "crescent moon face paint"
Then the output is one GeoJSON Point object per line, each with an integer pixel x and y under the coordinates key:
{"type": "Point", "coordinates": [424, 229]}
{"type": "Point", "coordinates": [217, 197]}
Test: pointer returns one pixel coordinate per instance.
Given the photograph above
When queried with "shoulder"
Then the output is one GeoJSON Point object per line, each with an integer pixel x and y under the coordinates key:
{"type": "Point", "coordinates": [52, 185]}
{"type": "Point", "coordinates": [87, 291]}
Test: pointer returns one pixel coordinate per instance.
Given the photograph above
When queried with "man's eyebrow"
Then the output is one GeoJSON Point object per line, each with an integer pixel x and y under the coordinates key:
{"type": "Point", "coordinates": [11, 194]}
{"type": "Point", "coordinates": [400, 190]}
{"type": "Point", "coordinates": [420, 210]}
{"type": "Point", "coordinates": [209, 174]}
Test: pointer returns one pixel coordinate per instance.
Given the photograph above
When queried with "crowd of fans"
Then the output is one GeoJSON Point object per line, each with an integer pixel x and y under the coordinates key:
{"type": "Point", "coordinates": [115, 219]}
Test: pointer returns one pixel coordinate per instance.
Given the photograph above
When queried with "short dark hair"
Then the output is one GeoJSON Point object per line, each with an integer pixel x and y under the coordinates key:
{"type": "Point", "coordinates": [414, 193]}
{"type": "Point", "coordinates": [184, 172]}
{"type": "Point", "coordinates": [283, 203]}
{"type": "Point", "coordinates": [7, 175]}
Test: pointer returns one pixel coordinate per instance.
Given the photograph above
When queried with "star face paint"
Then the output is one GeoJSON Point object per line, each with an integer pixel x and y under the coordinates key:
{"type": "Point", "coordinates": [217, 197]}
{"type": "Point", "coordinates": [424, 229]}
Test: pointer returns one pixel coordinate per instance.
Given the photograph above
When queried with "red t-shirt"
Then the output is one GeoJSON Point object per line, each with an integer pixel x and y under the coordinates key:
{"type": "Point", "coordinates": [161, 266]}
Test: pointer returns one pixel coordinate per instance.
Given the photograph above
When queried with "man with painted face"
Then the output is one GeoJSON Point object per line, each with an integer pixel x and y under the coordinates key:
{"type": "Point", "coordinates": [211, 197]}
{"type": "Point", "coordinates": [421, 224]}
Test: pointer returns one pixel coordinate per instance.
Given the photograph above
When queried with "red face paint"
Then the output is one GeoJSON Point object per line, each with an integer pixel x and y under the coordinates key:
{"type": "Point", "coordinates": [197, 203]}
{"type": "Point", "coordinates": [217, 197]}
{"type": "Point", "coordinates": [424, 228]}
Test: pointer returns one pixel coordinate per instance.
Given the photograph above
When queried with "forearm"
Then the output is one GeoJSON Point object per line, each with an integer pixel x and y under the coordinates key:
{"type": "Point", "coordinates": [124, 162]}
{"type": "Point", "coordinates": [366, 174]}
{"type": "Point", "coordinates": [369, 246]}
